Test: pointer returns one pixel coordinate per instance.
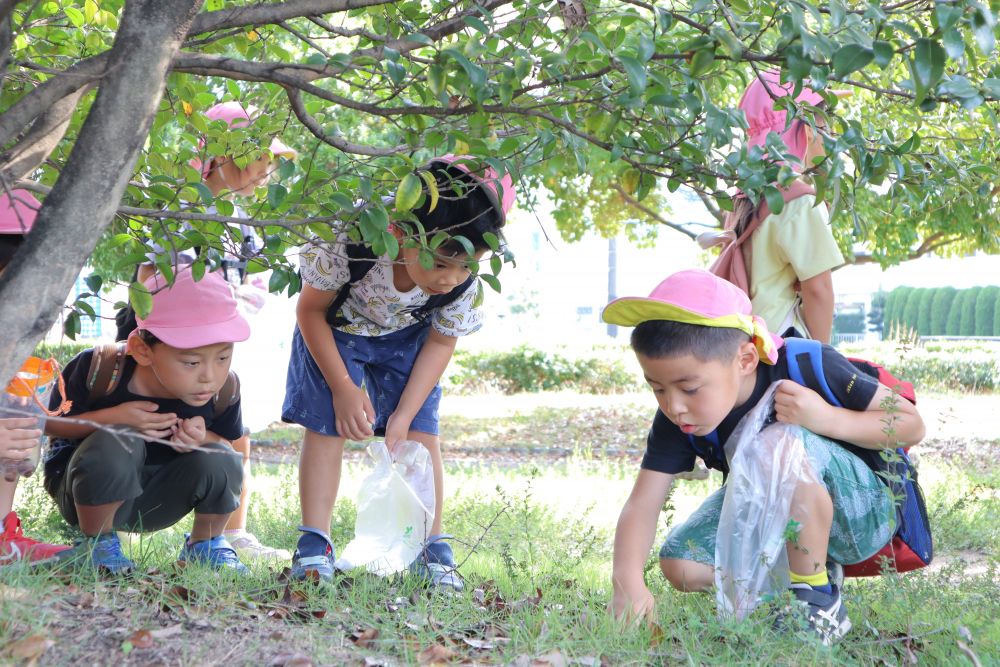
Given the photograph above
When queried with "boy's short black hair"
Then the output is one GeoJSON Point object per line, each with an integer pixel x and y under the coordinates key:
{"type": "Point", "coordinates": [463, 209]}
{"type": "Point", "coordinates": [659, 339]}
{"type": "Point", "coordinates": [9, 244]}
{"type": "Point", "coordinates": [149, 338]}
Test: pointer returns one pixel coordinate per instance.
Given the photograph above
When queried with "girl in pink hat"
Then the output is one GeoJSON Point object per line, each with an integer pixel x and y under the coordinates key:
{"type": "Point", "coordinates": [709, 361]}
{"type": "Point", "coordinates": [18, 435]}
{"type": "Point", "coordinates": [788, 257]}
{"type": "Point", "coordinates": [391, 324]}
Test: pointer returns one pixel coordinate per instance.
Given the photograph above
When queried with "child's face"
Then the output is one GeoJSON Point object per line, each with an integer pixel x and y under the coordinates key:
{"type": "Point", "coordinates": [697, 395]}
{"type": "Point", "coordinates": [192, 375]}
{"type": "Point", "coordinates": [244, 181]}
{"type": "Point", "coordinates": [447, 273]}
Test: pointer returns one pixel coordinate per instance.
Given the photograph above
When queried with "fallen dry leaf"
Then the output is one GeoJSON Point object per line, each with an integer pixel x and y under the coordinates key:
{"type": "Point", "coordinates": [436, 654]}
{"type": "Point", "coordinates": [291, 660]}
{"type": "Point", "coordinates": [141, 639]}
{"type": "Point", "coordinates": [655, 635]}
{"type": "Point", "coordinates": [29, 648]}
{"type": "Point", "coordinates": [364, 637]}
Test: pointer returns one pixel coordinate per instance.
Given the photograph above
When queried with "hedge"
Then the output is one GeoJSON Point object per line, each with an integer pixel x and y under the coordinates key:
{"type": "Point", "coordinates": [968, 323]}
{"type": "Point", "coordinates": [911, 312]}
{"type": "Point", "coordinates": [971, 366]}
{"type": "Point", "coordinates": [61, 352]}
{"type": "Point", "coordinates": [954, 322]}
{"type": "Point", "coordinates": [996, 317]}
{"type": "Point", "coordinates": [894, 314]}
{"type": "Point", "coordinates": [924, 311]}
{"type": "Point", "coordinates": [985, 311]}
{"type": "Point", "coordinates": [943, 298]}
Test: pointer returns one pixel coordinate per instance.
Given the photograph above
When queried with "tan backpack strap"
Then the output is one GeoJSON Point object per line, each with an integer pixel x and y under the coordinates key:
{"type": "Point", "coordinates": [227, 396]}
{"type": "Point", "coordinates": [106, 364]}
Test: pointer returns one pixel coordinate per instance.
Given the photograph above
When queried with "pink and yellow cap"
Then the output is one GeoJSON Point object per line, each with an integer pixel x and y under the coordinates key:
{"type": "Point", "coordinates": [696, 296]}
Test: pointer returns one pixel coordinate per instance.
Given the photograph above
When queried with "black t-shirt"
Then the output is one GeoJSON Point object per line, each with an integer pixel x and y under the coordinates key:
{"type": "Point", "coordinates": [229, 424]}
{"type": "Point", "coordinates": [670, 450]}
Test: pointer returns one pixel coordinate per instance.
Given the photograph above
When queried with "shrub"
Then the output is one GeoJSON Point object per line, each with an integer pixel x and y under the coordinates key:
{"type": "Point", "coordinates": [996, 317]}
{"type": "Point", "coordinates": [972, 366]}
{"type": "Point", "coordinates": [924, 311]}
{"type": "Point", "coordinates": [943, 298]}
{"type": "Point", "coordinates": [911, 311]}
{"type": "Point", "coordinates": [897, 301]}
{"type": "Point", "coordinates": [985, 310]}
{"type": "Point", "coordinates": [526, 369]}
{"type": "Point", "coordinates": [967, 326]}
{"type": "Point", "coordinates": [954, 323]}
{"type": "Point", "coordinates": [61, 352]}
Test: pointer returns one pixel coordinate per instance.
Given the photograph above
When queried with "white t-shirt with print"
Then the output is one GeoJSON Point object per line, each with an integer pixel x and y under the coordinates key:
{"type": "Point", "coordinates": [374, 307]}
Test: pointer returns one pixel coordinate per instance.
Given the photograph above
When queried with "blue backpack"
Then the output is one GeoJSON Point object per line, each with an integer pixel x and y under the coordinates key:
{"type": "Point", "coordinates": [912, 546]}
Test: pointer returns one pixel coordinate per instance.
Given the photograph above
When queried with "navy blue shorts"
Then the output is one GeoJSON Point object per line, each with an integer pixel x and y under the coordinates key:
{"type": "Point", "coordinates": [383, 362]}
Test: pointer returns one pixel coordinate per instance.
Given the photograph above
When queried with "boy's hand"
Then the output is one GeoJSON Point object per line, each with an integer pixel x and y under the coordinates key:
{"type": "Point", "coordinates": [354, 412]}
{"type": "Point", "coordinates": [633, 606]}
{"type": "Point", "coordinates": [143, 417]}
{"type": "Point", "coordinates": [397, 430]}
{"type": "Point", "coordinates": [795, 404]}
{"type": "Point", "coordinates": [18, 436]}
{"type": "Point", "coordinates": [189, 434]}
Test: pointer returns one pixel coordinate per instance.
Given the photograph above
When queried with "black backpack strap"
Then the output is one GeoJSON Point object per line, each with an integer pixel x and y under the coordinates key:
{"type": "Point", "coordinates": [360, 260]}
{"type": "Point", "coordinates": [441, 300]}
{"type": "Point", "coordinates": [106, 364]}
{"type": "Point", "coordinates": [227, 396]}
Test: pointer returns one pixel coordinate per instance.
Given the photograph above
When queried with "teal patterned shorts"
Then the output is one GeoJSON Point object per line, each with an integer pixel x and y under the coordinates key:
{"type": "Point", "coordinates": [863, 512]}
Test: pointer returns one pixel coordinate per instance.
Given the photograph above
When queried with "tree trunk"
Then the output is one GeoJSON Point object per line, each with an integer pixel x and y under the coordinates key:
{"type": "Point", "coordinates": [90, 187]}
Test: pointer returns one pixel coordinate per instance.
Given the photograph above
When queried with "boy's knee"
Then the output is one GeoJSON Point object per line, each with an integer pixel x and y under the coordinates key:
{"type": "Point", "coordinates": [814, 499]}
{"type": "Point", "coordinates": [217, 461]}
{"type": "Point", "coordinates": [109, 455]}
{"type": "Point", "coordinates": [687, 576]}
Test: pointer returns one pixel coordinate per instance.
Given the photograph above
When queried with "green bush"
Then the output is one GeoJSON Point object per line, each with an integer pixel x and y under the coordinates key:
{"type": "Point", "coordinates": [954, 323]}
{"type": "Point", "coordinates": [996, 317]}
{"type": "Point", "coordinates": [967, 326]}
{"type": "Point", "coordinates": [895, 306]}
{"type": "Point", "coordinates": [526, 369]}
{"type": "Point", "coordinates": [911, 311]}
{"type": "Point", "coordinates": [985, 310]}
{"type": "Point", "coordinates": [924, 311]}
{"type": "Point", "coordinates": [972, 366]}
{"type": "Point", "coordinates": [940, 307]}
{"type": "Point", "coordinates": [61, 352]}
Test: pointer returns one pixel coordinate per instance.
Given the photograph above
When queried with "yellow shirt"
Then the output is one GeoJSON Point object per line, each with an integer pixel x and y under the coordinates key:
{"type": "Point", "coordinates": [795, 245]}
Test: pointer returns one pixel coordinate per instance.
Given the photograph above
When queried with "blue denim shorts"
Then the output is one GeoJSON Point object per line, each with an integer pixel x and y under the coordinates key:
{"type": "Point", "coordinates": [384, 364]}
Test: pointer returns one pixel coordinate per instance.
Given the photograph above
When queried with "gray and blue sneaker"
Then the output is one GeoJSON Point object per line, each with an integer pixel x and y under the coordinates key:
{"type": "Point", "coordinates": [102, 552]}
{"type": "Point", "coordinates": [822, 613]}
{"type": "Point", "coordinates": [436, 564]}
{"type": "Point", "coordinates": [313, 557]}
{"type": "Point", "coordinates": [216, 552]}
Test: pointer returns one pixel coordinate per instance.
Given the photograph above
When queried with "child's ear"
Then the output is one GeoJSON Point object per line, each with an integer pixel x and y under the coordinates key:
{"type": "Point", "coordinates": [139, 350]}
{"type": "Point", "coordinates": [748, 358]}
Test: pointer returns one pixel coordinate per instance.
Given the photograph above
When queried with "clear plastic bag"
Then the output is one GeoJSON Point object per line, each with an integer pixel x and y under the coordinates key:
{"type": "Point", "coordinates": [395, 510]}
{"type": "Point", "coordinates": [767, 461]}
{"type": "Point", "coordinates": [27, 395]}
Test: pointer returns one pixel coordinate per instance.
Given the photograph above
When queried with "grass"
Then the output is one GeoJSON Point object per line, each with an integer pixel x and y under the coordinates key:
{"type": "Point", "coordinates": [534, 538]}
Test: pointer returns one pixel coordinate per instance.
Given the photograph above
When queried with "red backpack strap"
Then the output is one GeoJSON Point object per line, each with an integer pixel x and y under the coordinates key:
{"type": "Point", "coordinates": [227, 396]}
{"type": "Point", "coordinates": [106, 363]}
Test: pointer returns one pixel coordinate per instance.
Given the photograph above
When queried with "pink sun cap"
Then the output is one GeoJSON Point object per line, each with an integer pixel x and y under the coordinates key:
{"type": "Point", "coordinates": [17, 212]}
{"type": "Point", "coordinates": [696, 296]}
{"type": "Point", "coordinates": [237, 115]}
{"type": "Point", "coordinates": [191, 314]}
{"type": "Point", "coordinates": [762, 118]}
{"type": "Point", "coordinates": [500, 191]}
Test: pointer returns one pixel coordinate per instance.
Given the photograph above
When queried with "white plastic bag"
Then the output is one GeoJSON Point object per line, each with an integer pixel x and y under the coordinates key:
{"type": "Point", "coordinates": [395, 510]}
{"type": "Point", "coordinates": [766, 463]}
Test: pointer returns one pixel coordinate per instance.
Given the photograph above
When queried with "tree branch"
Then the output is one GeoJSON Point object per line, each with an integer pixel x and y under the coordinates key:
{"type": "Point", "coordinates": [299, 109]}
{"type": "Point", "coordinates": [261, 14]}
{"type": "Point", "coordinates": [639, 206]}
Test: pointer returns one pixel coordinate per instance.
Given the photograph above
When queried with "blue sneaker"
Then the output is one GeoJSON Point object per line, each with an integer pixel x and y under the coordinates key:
{"type": "Point", "coordinates": [103, 553]}
{"type": "Point", "coordinates": [436, 564]}
{"type": "Point", "coordinates": [313, 557]}
{"type": "Point", "coordinates": [216, 552]}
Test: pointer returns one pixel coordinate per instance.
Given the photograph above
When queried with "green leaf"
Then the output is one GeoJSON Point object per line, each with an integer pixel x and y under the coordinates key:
{"type": "Point", "coordinates": [954, 45]}
{"type": "Point", "coordinates": [206, 195]}
{"type": "Point", "coordinates": [476, 74]}
{"type": "Point", "coordinates": [492, 281]}
{"type": "Point", "coordinates": [436, 79]}
{"type": "Point", "coordinates": [775, 201]}
{"type": "Point", "coordinates": [75, 16]}
{"type": "Point", "coordinates": [198, 269]}
{"type": "Point", "coordinates": [702, 61]}
{"type": "Point", "coordinates": [408, 192]}
{"type": "Point", "coordinates": [140, 298]}
{"type": "Point", "coordinates": [94, 282]}
{"type": "Point", "coordinates": [851, 58]}
{"type": "Point", "coordinates": [926, 67]}
{"type": "Point", "coordinates": [636, 73]}
{"type": "Point", "coordinates": [278, 281]}
{"type": "Point", "coordinates": [492, 241]}
{"type": "Point", "coordinates": [72, 325]}
{"type": "Point", "coordinates": [276, 193]}
{"type": "Point", "coordinates": [426, 259]}
{"type": "Point", "coordinates": [391, 244]}
{"type": "Point", "coordinates": [438, 238]}
{"type": "Point", "coordinates": [884, 52]}
{"type": "Point", "coordinates": [477, 23]}
{"type": "Point", "coordinates": [224, 207]}
{"type": "Point", "coordinates": [465, 243]}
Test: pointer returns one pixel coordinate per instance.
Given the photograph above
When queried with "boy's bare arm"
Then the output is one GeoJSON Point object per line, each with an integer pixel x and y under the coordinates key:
{"type": "Point", "coordinates": [634, 536]}
{"type": "Point", "coordinates": [795, 404]}
{"type": "Point", "coordinates": [431, 362]}
{"type": "Point", "coordinates": [140, 415]}
{"type": "Point", "coordinates": [310, 313]}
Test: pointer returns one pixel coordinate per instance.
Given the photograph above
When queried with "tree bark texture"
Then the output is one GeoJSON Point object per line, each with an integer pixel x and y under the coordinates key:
{"type": "Point", "coordinates": [89, 190]}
